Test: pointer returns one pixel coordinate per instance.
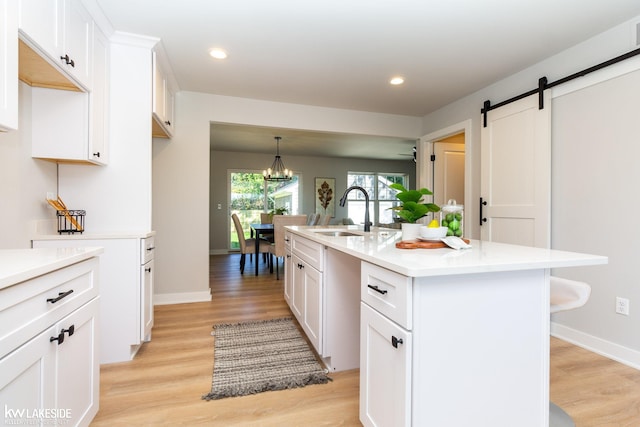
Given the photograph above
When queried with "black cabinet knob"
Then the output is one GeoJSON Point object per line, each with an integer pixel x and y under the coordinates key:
{"type": "Point", "coordinates": [68, 60]}
{"type": "Point", "coordinates": [395, 341]}
{"type": "Point", "coordinates": [59, 338]}
{"type": "Point", "coordinates": [70, 331]}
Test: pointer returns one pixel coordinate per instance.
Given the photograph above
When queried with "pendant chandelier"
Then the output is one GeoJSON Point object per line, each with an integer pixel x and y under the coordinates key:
{"type": "Point", "coordinates": [277, 171]}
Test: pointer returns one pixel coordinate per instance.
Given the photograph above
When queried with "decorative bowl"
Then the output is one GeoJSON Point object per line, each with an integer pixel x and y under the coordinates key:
{"type": "Point", "coordinates": [433, 233]}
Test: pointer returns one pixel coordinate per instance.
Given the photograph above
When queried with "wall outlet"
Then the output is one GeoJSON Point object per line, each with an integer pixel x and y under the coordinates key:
{"type": "Point", "coordinates": [622, 306]}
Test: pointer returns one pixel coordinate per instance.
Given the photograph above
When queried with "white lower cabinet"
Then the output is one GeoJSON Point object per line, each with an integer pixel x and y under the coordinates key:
{"type": "Point", "coordinates": [385, 371]}
{"type": "Point", "coordinates": [54, 377]}
{"type": "Point", "coordinates": [307, 288]}
{"type": "Point", "coordinates": [322, 288]}
{"type": "Point", "coordinates": [147, 301]}
{"type": "Point", "coordinates": [126, 303]}
{"type": "Point", "coordinates": [288, 269]}
{"type": "Point", "coordinates": [307, 300]}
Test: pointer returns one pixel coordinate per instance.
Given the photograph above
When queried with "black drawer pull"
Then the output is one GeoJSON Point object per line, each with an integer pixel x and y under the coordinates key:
{"type": "Point", "coordinates": [68, 60]}
{"type": "Point", "coordinates": [70, 331]}
{"type": "Point", "coordinates": [395, 341]}
{"type": "Point", "coordinates": [59, 297]}
{"type": "Point", "coordinates": [150, 248]}
{"type": "Point", "coordinates": [377, 289]}
{"type": "Point", "coordinates": [148, 270]}
{"type": "Point", "coordinates": [59, 338]}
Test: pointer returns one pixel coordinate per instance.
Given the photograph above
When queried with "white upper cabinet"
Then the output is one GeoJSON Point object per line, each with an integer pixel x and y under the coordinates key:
{"type": "Point", "coordinates": [99, 101]}
{"type": "Point", "coordinates": [63, 31]}
{"type": "Point", "coordinates": [78, 40]}
{"type": "Point", "coordinates": [59, 48]}
{"type": "Point", "coordinates": [163, 121]}
{"type": "Point", "coordinates": [8, 65]}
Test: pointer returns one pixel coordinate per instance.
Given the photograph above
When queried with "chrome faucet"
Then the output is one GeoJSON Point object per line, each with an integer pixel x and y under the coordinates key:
{"type": "Point", "coordinates": [343, 200]}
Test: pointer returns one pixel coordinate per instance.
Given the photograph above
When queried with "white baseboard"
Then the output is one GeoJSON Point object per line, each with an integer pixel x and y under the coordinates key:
{"type": "Point", "coordinates": [221, 251]}
{"type": "Point", "coordinates": [597, 345]}
{"type": "Point", "coordinates": [181, 298]}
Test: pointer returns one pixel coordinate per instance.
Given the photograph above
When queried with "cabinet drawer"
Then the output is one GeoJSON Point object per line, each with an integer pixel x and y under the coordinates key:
{"type": "Point", "coordinates": [147, 249]}
{"type": "Point", "coordinates": [308, 251]}
{"type": "Point", "coordinates": [29, 307]}
{"type": "Point", "coordinates": [387, 292]}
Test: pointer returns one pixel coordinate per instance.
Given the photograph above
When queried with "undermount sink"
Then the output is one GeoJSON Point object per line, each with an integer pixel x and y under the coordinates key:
{"type": "Point", "coordinates": [338, 233]}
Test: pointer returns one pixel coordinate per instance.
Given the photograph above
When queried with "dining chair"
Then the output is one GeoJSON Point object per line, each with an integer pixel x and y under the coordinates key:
{"type": "Point", "coordinates": [279, 222]}
{"type": "Point", "coordinates": [248, 246]}
{"type": "Point", "coordinates": [312, 219]}
{"type": "Point", "coordinates": [265, 218]}
{"type": "Point", "coordinates": [324, 220]}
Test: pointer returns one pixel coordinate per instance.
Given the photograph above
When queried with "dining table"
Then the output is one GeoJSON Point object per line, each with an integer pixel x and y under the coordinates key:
{"type": "Point", "coordinates": [260, 230]}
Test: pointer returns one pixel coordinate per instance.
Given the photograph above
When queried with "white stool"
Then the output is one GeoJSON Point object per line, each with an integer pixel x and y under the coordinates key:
{"type": "Point", "coordinates": [568, 294]}
{"type": "Point", "coordinates": [565, 295]}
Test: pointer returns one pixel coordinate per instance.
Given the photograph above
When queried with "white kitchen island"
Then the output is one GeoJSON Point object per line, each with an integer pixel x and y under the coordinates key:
{"type": "Point", "coordinates": [442, 338]}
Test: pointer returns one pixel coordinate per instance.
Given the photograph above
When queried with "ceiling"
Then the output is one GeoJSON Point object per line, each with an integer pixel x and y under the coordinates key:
{"type": "Point", "coordinates": [342, 53]}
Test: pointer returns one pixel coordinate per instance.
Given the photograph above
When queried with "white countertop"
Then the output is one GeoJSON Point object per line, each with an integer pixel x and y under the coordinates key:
{"type": "Point", "coordinates": [96, 236]}
{"type": "Point", "coordinates": [18, 265]}
{"type": "Point", "coordinates": [378, 247]}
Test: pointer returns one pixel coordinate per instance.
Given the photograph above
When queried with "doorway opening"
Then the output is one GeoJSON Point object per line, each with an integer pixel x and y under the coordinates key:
{"type": "Point", "coordinates": [250, 195]}
{"type": "Point", "coordinates": [448, 175]}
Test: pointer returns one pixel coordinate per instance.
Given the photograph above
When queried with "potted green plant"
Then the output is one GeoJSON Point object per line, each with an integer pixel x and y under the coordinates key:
{"type": "Point", "coordinates": [277, 211]}
{"type": "Point", "coordinates": [412, 209]}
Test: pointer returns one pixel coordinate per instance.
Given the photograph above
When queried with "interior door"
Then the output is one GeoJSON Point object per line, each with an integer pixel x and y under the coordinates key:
{"type": "Point", "coordinates": [516, 173]}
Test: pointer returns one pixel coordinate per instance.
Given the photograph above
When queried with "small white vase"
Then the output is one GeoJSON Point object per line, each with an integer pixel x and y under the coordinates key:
{"type": "Point", "coordinates": [410, 231]}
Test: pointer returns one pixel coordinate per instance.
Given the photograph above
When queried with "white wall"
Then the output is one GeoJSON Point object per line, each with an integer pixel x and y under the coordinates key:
{"type": "Point", "coordinates": [181, 175]}
{"type": "Point", "coordinates": [24, 182]}
{"type": "Point", "coordinates": [595, 326]}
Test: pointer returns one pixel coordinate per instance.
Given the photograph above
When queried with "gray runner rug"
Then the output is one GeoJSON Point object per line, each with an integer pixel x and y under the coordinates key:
{"type": "Point", "coordinates": [253, 357]}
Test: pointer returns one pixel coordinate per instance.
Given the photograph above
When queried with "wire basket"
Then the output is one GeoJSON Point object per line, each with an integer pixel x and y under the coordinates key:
{"type": "Point", "coordinates": [70, 221]}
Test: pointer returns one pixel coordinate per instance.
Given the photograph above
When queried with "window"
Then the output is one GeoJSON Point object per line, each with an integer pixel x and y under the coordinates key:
{"type": "Point", "coordinates": [381, 197]}
{"type": "Point", "coordinates": [250, 195]}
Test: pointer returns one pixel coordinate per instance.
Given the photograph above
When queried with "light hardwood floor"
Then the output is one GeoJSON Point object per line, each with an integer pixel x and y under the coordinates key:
{"type": "Point", "coordinates": [163, 385]}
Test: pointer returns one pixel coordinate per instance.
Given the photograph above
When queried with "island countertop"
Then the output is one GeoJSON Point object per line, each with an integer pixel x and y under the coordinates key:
{"type": "Point", "coordinates": [379, 247]}
{"type": "Point", "coordinates": [18, 265]}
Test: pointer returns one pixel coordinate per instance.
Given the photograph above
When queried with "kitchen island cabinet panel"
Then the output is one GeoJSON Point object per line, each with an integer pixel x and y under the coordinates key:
{"type": "Point", "coordinates": [447, 338]}
{"type": "Point", "coordinates": [288, 269]}
{"type": "Point", "coordinates": [307, 298]}
{"type": "Point", "coordinates": [385, 371]}
{"type": "Point", "coordinates": [323, 301]}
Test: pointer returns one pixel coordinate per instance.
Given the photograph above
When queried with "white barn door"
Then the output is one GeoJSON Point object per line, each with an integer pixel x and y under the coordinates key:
{"type": "Point", "coordinates": [516, 173]}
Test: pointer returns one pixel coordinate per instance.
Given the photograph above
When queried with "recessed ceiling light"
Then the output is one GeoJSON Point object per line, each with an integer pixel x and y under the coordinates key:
{"type": "Point", "coordinates": [396, 80]}
{"type": "Point", "coordinates": [218, 53]}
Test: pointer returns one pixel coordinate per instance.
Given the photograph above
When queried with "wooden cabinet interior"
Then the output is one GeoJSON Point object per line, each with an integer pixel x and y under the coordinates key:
{"type": "Point", "coordinates": [36, 71]}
